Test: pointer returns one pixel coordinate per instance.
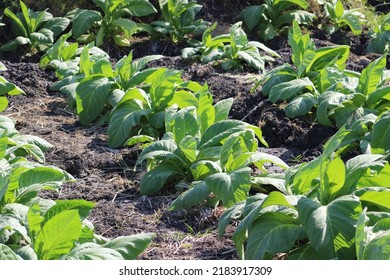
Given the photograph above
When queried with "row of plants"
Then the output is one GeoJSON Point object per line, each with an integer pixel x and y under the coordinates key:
{"type": "Point", "coordinates": [118, 21]}
{"type": "Point", "coordinates": [35, 228]}
{"type": "Point", "coordinates": [318, 84]}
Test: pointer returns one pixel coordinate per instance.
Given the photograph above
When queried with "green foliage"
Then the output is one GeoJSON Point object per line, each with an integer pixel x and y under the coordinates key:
{"type": "Point", "coordinates": [355, 97]}
{"type": "Point", "coordinates": [380, 36]}
{"type": "Point", "coordinates": [206, 156]}
{"type": "Point", "coordinates": [231, 50]}
{"type": "Point", "coordinates": [112, 23]}
{"type": "Point", "coordinates": [319, 214]}
{"type": "Point", "coordinates": [34, 228]}
{"type": "Point", "coordinates": [339, 17]}
{"type": "Point", "coordinates": [37, 30]}
{"type": "Point", "coordinates": [7, 88]}
{"type": "Point", "coordinates": [275, 17]}
{"type": "Point", "coordinates": [314, 71]}
{"type": "Point", "coordinates": [178, 20]}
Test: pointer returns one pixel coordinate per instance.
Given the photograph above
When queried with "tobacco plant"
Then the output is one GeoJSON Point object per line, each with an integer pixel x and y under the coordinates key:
{"type": "Point", "coordinates": [34, 228]}
{"type": "Point", "coordinates": [7, 88]}
{"type": "Point", "coordinates": [319, 213]}
{"type": "Point", "coordinates": [112, 23]}
{"type": "Point", "coordinates": [274, 17]}
{"type": "Point", "coordinates": [339, 17]}
{"type": "Point", "coordinates": [231, 50]}
{"type": "Point", "coordinates": [380, 36]}
{"type": "Point", "coordinates": [178, 20]}
{"type": "Point", "coordinates": [354, 97]}
{"type": "Point", "coordinates": [205, 155]}
{"type": "Point", "coordinates": [313, 72]}
{"type": "Point", "coordinates": [37, 30]}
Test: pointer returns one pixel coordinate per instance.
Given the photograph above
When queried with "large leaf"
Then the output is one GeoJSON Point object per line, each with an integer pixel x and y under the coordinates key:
{"type": "Point", "coordinates": [331, 228]}
{"type": "Point", "coordinates": [371, 76]}
{"type": "Point", "coordinates": [57, 25]}
{"type": "Point", "coordinates": [92, 96]}
{"type": "Point", "coordinates": [230, 188]}
{"type": "Point", "coordinates": [84, 21]}
{"type": "Point", "coordinates": [130, 246]}
{"type": "Point", "coordinates": [58, 235]}
{"type": "Point", "coordinates": [92, 251]}
{"type": "Point", "coordinates": [288, 90]}
{"type": "Point", "coordinates": [300, 105]}
{"type": "Point", "coordinates": [380, 142]}
{"type": "Point", "coordinates": [156, 179]}
{"type": "Point", "coordinates": [141, 8]}
{"type": "Point", "coordinates": [252, 15]}
{"type": "Point", "coordinates": [272, 233]}
{"type": "Point", "coordinates": [7, 254]}
{"type": "Point", "coordinates": [124, 118]}
{"type": "Point", "coordinates": [196, 194]}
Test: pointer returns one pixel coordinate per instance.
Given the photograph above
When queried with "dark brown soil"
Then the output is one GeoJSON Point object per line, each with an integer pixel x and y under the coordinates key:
{"type": "Point", "coordinates": [106, 175]}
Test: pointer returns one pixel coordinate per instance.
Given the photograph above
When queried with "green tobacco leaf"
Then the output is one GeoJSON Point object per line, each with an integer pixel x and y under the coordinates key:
{"type": "Point", "coordinates": [231, 214]}
{"type": "Point", "coordinates": [371, 76]}
{"type": "Point", "coordinates": [130, 246]}
{"type": "Point", "coordinates": [83, 207]}
{"type": "Point", "coordinates": [6, 253]}
{"type": "Point", "coordinates": [92, 251]}
{"type": "Point", "coordinates": [327, 54]}
{"type": "Point", "coordinates": [380, 142]}
{"type": "Point", "coordinates": [305, 252]}
{"type": "Point", "coordinates": [156, 179]}
{"type": "Point", "coordinates": [40, 175]}
{"type": "Point", "coordinates": [377, 198]}
{"type": "Point", "coordinates": [57, 25]}
{"type": "Point", "coordinates": [272, 233]}
{"type": "Point", "coordinates": [288, 90]}
{"type": "Point", "coordinates": [222, 109]}
{"type": "Point", "coordinates": [182, 123]}
{"type": "Point", "coordinates": [333, 180]}
{"type": "Point", "coordinates": [84, 21]}
{"type": "Point", "coordinates": [13, 44]}
{"type": "Point", "coordinates": [305, 179]}
{"type": "Point", "coordinates": [92, 96]}
{"type": "Point", "coordinates": [331, 228]}
{"type": "Point", "coordinates": [300, 105]}
{"type": "Point", "coordinates": [361, 234]}
{"type": "Point", "coordinates": [230, 188]}
{"type": "Point", "coordinates": [353, 22]}
{"type": "Point", "coordinates": [58, 235]}
{"type": "Point", "coordinates": [197, 194]}
{"type": "Point", "coordinates": [124, 118]}
{"type": "Point", "coordinates": [3, 103]}
{"type": "Point", "coordinates": [378, 247]}
{"type": "Point", "coordinates": [141, 8]}
{"type": "Point", "coordinates": [252, 15]}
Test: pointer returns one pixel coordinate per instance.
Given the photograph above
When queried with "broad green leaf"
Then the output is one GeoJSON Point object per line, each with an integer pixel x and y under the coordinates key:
{"type": "Point", "coordinates": [40, 175]}
{"type": "Point", "coordinates": [141, 8]}
{"type": "Point", "coordinates": [57, 25]}
{"type": "Point", "coordinates": [288, 90]}
{"type": "Point", "coordinates": [127, 26]}
{"type": "Point", "coordinates": [83, 207]}
{"type": "Point", "coordinates": [371, 76]}
{"type": "Point", "coordinates": [327, 54]}
{"type": "Point", "coordinates": [43, 36]}
{"type": "Point", "coordinates": [272, 233]}
{"type": "Point", "coordinates": [13, 44]}
{"type": "Point", "coordinates": [353, 22]}
{"type": "Point", "coordinates": [300, 105]}
{"type": "Point", "coordinates": [92, 96]}
{"type": "Point", "coordinates": [182, 123]}
{"type": "Point", "coordinates": [123, 119]}
{"type": "Point", "coordinates": [6, 253]}
{"type": "Point", "coordinates": [92, 251]}
{"type": "Point", "coordinates": [252, 15]}
{"type": "Point", "coordinates": [305, 252]}
{"type": "Point", "coordinates": [361, 234]}
{"type": "Point", "coordinates": [196, 194]}
{"type": "Point", "coordinates": [222, 109]}
{"type": "Point", "coordinates": [306, 178]}
{"type": "Point", "coordinates": [275, 80]}
{"type": "Point", "coordinates": [231, 214]}
{"type": "Point", "coordinates": [230, 188]}
{"type": "Point", "coordinates": [378, 246]}
{"type": "Point", "coordinates": [58, 235]}
{"type": "Point", "coordinates": [130, 246]}
{"type": "Point", "coordinates": [379, 199]}
{"type": "Point", "coordinates": [380, 142]}
{"type": "Point", "coordinates": [333, 180]}
{"type": "Point", "coordinates": [188, 145]}
{"type": "Point", "coordinates": [3, 103]}
{"type": "Point", "coordinates": [331, 228]}
{"type": "Point", "coordinates": [156, 179]}
{"type": "Point", "coordinates": [84, 21]}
